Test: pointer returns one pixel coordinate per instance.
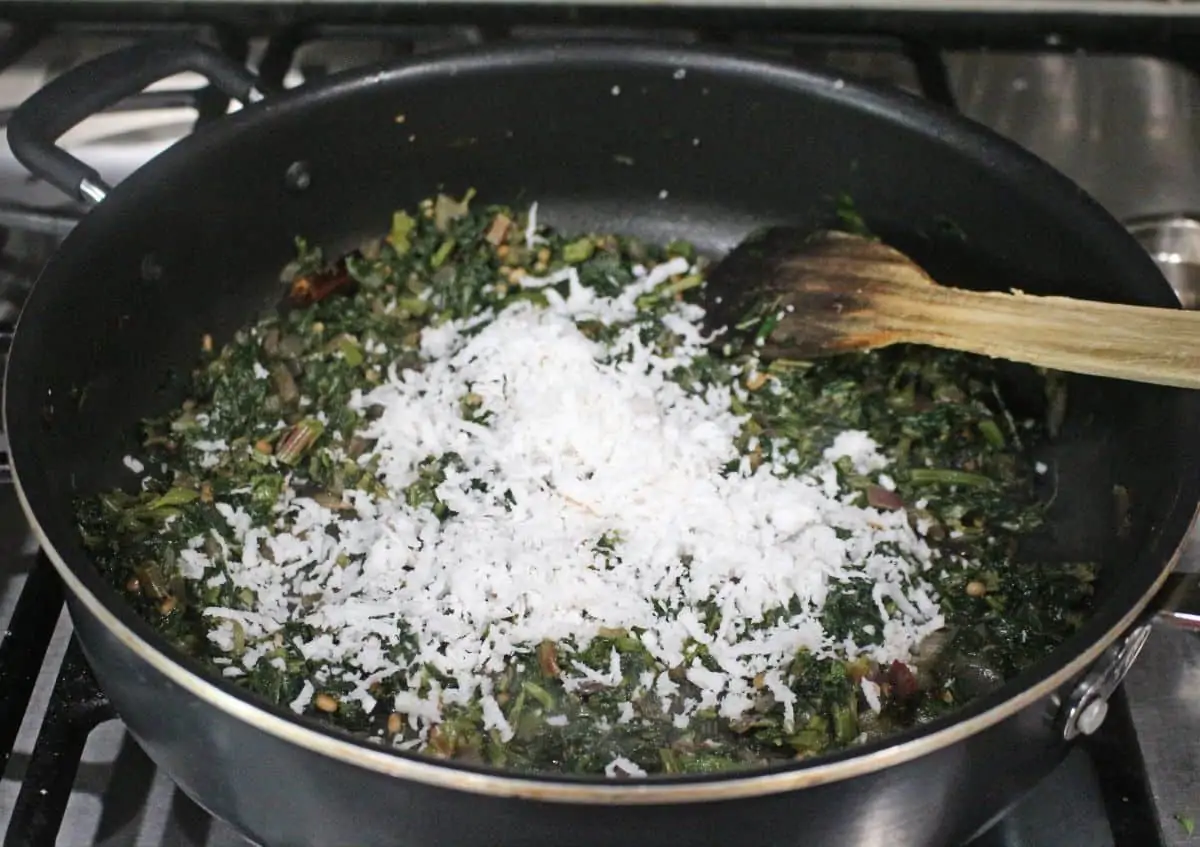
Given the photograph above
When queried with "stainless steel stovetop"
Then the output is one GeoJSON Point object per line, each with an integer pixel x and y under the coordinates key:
{"type": "Point", "coordinates": [1127, 128]}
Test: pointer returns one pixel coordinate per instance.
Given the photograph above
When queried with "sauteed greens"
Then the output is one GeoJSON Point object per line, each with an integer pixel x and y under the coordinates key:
{"type": "Point", "coordinates": [352, 515]}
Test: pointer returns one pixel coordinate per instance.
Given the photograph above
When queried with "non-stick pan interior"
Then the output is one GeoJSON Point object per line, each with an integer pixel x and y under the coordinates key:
{"type": "Point", "coordinates": [648, 141]}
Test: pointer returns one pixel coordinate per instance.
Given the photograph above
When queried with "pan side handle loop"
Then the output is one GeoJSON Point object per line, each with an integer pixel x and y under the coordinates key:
{"type": "Point", "coordinates": [1178, 601]}
{"type": "Point", "coordinates": [38, 123]}
{"type": "Point", "coordinates": [1177, 605]}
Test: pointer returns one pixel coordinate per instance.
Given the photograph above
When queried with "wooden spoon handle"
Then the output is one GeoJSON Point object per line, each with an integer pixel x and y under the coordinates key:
{"type": "Point", "coordinates": [1160, 346]}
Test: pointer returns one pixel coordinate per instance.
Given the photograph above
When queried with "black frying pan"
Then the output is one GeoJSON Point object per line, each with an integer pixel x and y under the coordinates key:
{"type": "Point", "coordinates": [192, 243]}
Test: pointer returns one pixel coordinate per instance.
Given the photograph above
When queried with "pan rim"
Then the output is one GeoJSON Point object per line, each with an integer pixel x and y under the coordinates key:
{"type": "Point", "coordinates": [902, 110]}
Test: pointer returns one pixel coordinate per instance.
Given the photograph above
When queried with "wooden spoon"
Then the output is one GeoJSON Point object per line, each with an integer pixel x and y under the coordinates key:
{"type": "Point", "coordinates": [834, 292]}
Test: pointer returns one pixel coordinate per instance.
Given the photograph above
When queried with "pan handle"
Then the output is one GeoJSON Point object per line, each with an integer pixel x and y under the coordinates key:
{"type": "Point", "coordinates": [1177, 604]}
{"type": "Point", "coordinates": [38, 123]}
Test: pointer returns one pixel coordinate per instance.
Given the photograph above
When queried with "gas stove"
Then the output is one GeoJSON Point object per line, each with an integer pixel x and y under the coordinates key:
{"type": "Point", "coordinates": [1109, 100]}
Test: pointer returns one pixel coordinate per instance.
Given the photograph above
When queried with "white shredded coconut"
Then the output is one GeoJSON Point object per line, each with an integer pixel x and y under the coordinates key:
{"type": "Point", "coordinates": [531, 237]}
{"type": "Point", "coordinates": [859, 448]}
{"type": "Point", "coordinates": [621, 766]}
{"type": "Point", "coordinates": [493, 717]}
{"type": "Point", "coordinates": [597, 495]}
{"type": "Point", "coordinates": [303, 698]}
{"type": "Point", "coordinates": [870, 692]}
{"type": "Point", "coordinates": [193, 564]}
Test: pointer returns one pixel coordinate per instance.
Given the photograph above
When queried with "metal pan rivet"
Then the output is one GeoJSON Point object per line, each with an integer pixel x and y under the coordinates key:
{"type": "Point", "coordinates": [298, 176]}
{"type": "Point", "coordinates": [1092, 716]}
